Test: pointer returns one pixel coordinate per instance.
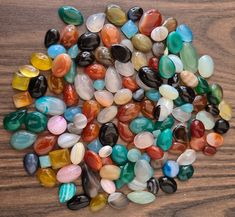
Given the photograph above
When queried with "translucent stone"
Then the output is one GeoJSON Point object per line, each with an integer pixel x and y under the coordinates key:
{"type": "Point", "coordinates": [72, 129]}
{"type": "Point", "coordinates": [170, 169]}
{"type": "Point", "coordinates": [215, 139]}
{"type": "Point", "coordinates": [206, 118]}
{"type": "Point", "coordinates": [189, 79]}
{"type": "Point", "coordinates": [159, 33]}
{"type": "Point", "coordinates": [46, 177]}
{"type": "Point", "coordinates": [104, 97]}
{"type": "Point", "coordinates": [225, 110]}
{"type": "Point", "coordinates": [57, 125]}
{"type": "Point", "coordinates": [136, 185]}
{"type": "Point", "coordinates": [186, 158]}
{"type": "Point", "coordinates": [59, 158]}
{"type": "Point", "coordinates": [22, 99]}
{"type": "Point", "coordinates": [115, 15]}
{"type": "Point", "coordinates": [181, 115]}
{"type": "Point", "coordinates": [108, 186]}
{"type": "Point", "coordinates": [113, 81]}
{"type": "Point", "coordinates": [125, 69]}
{"type": "Point", "coordinates": [68, 173]}
{"type": "Point", "coordinates": [128, 44]}
{"type": "Point", "coordinates": [99, 84]}
{"type": "Point", "coordinates": [107, 114]}
{"type": "Point", "coordinates": [133, 155]}
{"type": "Point", "coordinates": [20, 82]}
{"type": "Point", "coordinates": [139, 60]}
{"type": "Point", "coordinates": [141, 197]}
{"type": "Point", "coordinates": [84, 86]}
{"type": "Point", "coordinates": [105, 151]}
{"type": "Point", "coordinates": [118, 200]}
{"type": "Point", "coordinates": [167, 103]}
{"type": "Point", "coordinates": [67, 140]}
{"type": "Point", "coordinates": [40, 61]}
{"type": "Point", "coordinates": [122, 96]}
{"type": "Point", "coordinates": [98, 202]}
{"type": "Point", "coordinates": [77, 153]}
{"type": "Point", "coordinates": [164, 140]}
{"type": "Point", "coordinates": [177, 62]}
{"type": "Point", "coordinates": [168, 92]}
{"type": "Point", "coordinates": [95, 22]}
{"type": "Point", "coordinates": [110, 172]}
{"type": "Point", "coordinates": [141, 84]}
{"type": "Point", "coordinates": [143, 140]}
{"type": "Point", "coordinates": [28, 71]}
{"type": "Point", "coordinates": [185, 32]}
{"type": "Point", "coordinates": [141, 124]}
{"type": "Point", "coordinates": [143, 170]}
{"type": "Point", "coordinates": [205, 66]}
{"type": "Point", "coordinates": [110, 35]}
{"type": "Point", "coordinates": [80, 121]}
{"type": "Point", "coordinates": [70, 15]}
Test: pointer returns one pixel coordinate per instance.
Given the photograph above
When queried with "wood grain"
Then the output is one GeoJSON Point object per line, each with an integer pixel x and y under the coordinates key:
{"type": "Point", "coordinates": [211, 192]}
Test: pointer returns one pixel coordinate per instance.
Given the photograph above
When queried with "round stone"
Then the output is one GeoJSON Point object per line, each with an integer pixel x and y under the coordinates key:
{"type": "Point", "coordinates": [108, 134]}
{"type": "Point", "coordinates": [221, 126]}
{"type": "Point", "coordinates": [88, 41]}
{"type": "Point", "coordinates": [35, 122]}
{"type": "Point", "coordinates": [185, 172]}
{"type": "Point", "coordinates": [170, 169]}
{"type": "Point", "coordinates": [167, 184]}
{"type": "Point", "coordinates": [80, 121]}
{"type": "Point", "coordinates": [135, 13]}
{"type": "Point", "coordinates": [215, 139]}
{"type": "Point", "coordinates": [185, 32]}
{"type": "Point", "coordinates": [159, 33]}
{"type": "Point", "coordinates": [143, 140]}
{"type": "Point", "coordinates": [57, 125]}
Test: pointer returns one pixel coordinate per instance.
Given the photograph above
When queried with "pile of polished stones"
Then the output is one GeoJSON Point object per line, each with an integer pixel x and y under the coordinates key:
{"type": "Point", "coordinates": [130, 96]}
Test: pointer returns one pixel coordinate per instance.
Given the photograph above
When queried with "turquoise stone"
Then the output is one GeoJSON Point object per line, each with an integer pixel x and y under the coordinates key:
{"type": "Point", "coordinates": [164, 140]}
{"type": "Point", "coordinates": [70, 76]}
{"type": "Point", "coordinates": [189, 57]}
{"type": "Point", "coordinates": [141, 124]}
{"type": "Point", "coordinates": [50, 105]}
{"type": "Point", "coordinates": [145, 156]}
{"type": "Point", "coordinates": [54, 50]}
{"type": "Point", "coordinates": [95, 146]}
{"type": "Point", "coordinates": [141, 197]}
{"type": "Point", "coordinates": [70, 15]}
{"type": "Point", "coordinates": [167, 123]}
{"type": "Point", "coordinates": [187, 107]}
{"type": "Point", "coordinates": [143, 171]}
{"type": "Point", "coordinates": [215, 94]}
{"type": "Point", "coordinates": [156, 133]}
{"type": "Point", "coordinates": [133, 155]}
{"type": "Point", "coordinates": [45, 161]}
{"type": "Point", "coordinates": [202, 87]}
{"type": "Point", "coordinates": [14, 120]}
{"type": "Point", "coordinates": [170, 168]}
{"type": "Point", "coordinates": [73, 51]}
{"type": "Point", "coordinates": [185, 172]}
{"type": "Point", "coordinates": [119, 154]}
{"type": "Point", "coordinates": [35, 122]}
{"type": "Point", "coordinates": [153, 95]}
{"type": "Point", "coordinates": [99, 84]}
{"type": "Point", "coordinates": [71, 112]}
{"type": "Point", "coordinates": [166, 67]}
{"type": "Point", "coordinates": [129, 29]}
{"type": "Point", "coordinates": [179, 101]}
{"type": "Point", "coordinates": [174, 43]}
{"type": "Point", "coordinates": [22, 139]}
{"type": "Point", "coordinates": [66, 192]}
{"type": "Point", "coordinates": [119, 183]}
{"type": "Point", "coordinates": [185, 32]}
{"type": "Point", "coordinates": [127, 172]}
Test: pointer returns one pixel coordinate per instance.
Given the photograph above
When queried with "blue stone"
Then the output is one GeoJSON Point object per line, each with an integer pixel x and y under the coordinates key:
{"type": "Point", "coordinates": [133, 155]}
{"type": "Point", "coordinates": [70, 76]}
{"type": "Point", "coordinates": [187, 107]}
{"type": "Point", "coordinates": [153, 95]}
{"type": "Point", "coordinates": [66, 192]}
{"type": "Point", "coordinates": [54, 50]}
{"type": "Point", "coordinates": [71, 112]}
{"type": "Point", "coordinates": [31, 163]}
{"type": "Point", "coordinates": [99, 84]}
{"type": "Point", "coordinates": [73, 51]}
{"type": "Point", "coordinates": [129, 29]}
{"type": "Point", "coordinates": [145, 156]}
{"type": "Point", "coordinates": [95, 146]}
{"type": "Point", "coordinates": [45, 161]}
{"type": "Point", "coordinates": [170, 168]}
{"type": "Point", "coordinates": [185, 32]}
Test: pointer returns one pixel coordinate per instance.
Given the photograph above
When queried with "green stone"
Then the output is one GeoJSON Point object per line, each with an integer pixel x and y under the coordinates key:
{"type": "Point", "coordinates": [119, 154]}
{"type": "Point", "coordinates": [185, 172]}
{"type": "Point", "coordinates": [202, 87]}
{"type": "Point", "coordinates": [119, 183]}
{"type": "Point", "coordinates": [35, 122]}
{"type": "Point", "coordinates": [141, 197]}
{"type": "Point", "coordinates": [127, 172]}
{"type": "Point", "coordinates": [179, 101]}
{"type": "Point", "coordinates": [215, 94]}
{"type": "Point", "coordinates": [45, 161]}
{"type": "Point", "coordinates": [70, 15]}
{"type": "Point", "coordinates": [167, 123]}
{"type": "Point", "coordinates": [174, 42]}
{"type": "Point", "coordinates": [22, 139]}
{"type": "Point", "coordinates": [189, 57]}
{"type": "Point", "coordinates": [70, 76]}
{"type": "Point", "coordinates": [166, 67]}
{"type": "Point", "coordinates": [141, 124]}
{"type": "Point", "coordinates": [115, 15]}
{"type": "Point", "coordinates": [14, 120]}
{"type": "Point", "coordinates": [164, 140]}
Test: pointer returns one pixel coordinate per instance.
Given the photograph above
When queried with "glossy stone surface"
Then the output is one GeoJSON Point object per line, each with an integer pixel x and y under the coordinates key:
{"type": "Point", "coordinates": [70, 95]}
{"type": "Point", "coordinates": [107, 114]}
{"type": "Point", "coordinates": [186, 158]}
{"type": "Point", "coordinates": [158, 49]}
{"type": "Point", "coordinates": [55, 50]}
{"type": "Point", "coordinates": [22, 99]}
{"type": "Point", "coordinates": [140, 124]}
{"type": "Point", "coordinates": [225, 110]}
{"type": "Point", "coordinates": [167, 123]}
{"type": "Point", "coordinates": [68, 173]}
{"type": "Point", "coordinates": [80, 121]}
{"type": "Point", "coordinates": [143, 140]}
{"type": "Point", "coordinates": [20, 82]}
{"type": "Point", "coordinates": [135, 13]}
{"type": "Point", "coordinates": [185, 172]}
{"type": "Point", "coordinates": [113, 81]}
{"type": "Point", "coordinates": [66, 192]}
{"type": "Point", "coordinates": [122, 96]}
{"type": "Point", "coordinates": [207, 119]}
{"type": "Point", "coordinates": [186, 93]}
{"type": "Point", "coordinates": [205, 66]}
{"type": "Point", "coordinates": [31, 163]}
{"type": "Point", "coordinates": [159, 33]}
{"type": "Point", "coordinates": [181, 115]}
{"type": "Point", "coordinates": [99, 84]}
{"type": "Point", "coordinates": [153, 185]}
{"type": "Point", "coordinates": [221, 126]}
{"type": "Point", "coordinates": [171, 24]}
{"type": "Point", "coordinates": [198, 144]}
{"type": "Point", "coordinates": [115, 15]}
{"type": "Point", "coordinates": [56, 125]}
{"type": "Point", "coordinates": [164, 140]}
{"type": "Point", "coordinates": [120, 53]}
{"type": "Point", "coordinates": [108, 186]}
{"type": "Point", "coordinates": [35, 122]}
{"type": "Point", "coordinates": [71, 112]}
{"type": "Point", "coordinates": [73, 51]}
{"type": "Point", "coordinates": [59, 158]}
{"type": "Point", "coordinates": [90, 132]}
{"type": "Point", "coordinates": [147, 107]}
{"type": "Point", "coordinates": [167, 104]}
{"type": "Point", "coordinates": [141, 197]}
{"type": "Point", "coordinates": [209, 150]}
{"type": "Point", "coordinates": [170, 169]}
{"type": "Point", "coordinates": [119, 154]}
{"type": "Point", "coordinates": [55, 84]}
{"type": "Point", "coordinates": [138, 60]}
{"type": "Point", "coordinates": [199, 103]}
{"type": "Point", "coordinates": [143, 170]}
{"type": "Point", "coordinates": [168, 91]}
{"type": "Point", "coordinates": [129, 29]}
{"type": "Point", "coordinates": [37, 86]}
{"type": "Point", "coordinates": [166, 67]}
{"type": "Point", "coordinates": [177, 62]}
{"type": "Point", "coordinates": [118, 200]}
{"type": "Point", "coordinates": [185, 32]}
{"type": "Point", "coordinates": [105, 151]}
{"type": "Point", "coordinates": [178, 148]}
{"type": "Point", "coordinates": [167, 184]}
{"type": "Point", "coordinates": [90, 109]}
{"type": "Point", "coordinates": [174, 42]}
{"type": "Point", "coordinates": [70, 15]}
{"type": "Point", "coordinates": [88, 41]}
{"type": "Point", "coordinates": [52, 37]}
{"type": "Point", "coordinates": [142, 43]}
{"type": "Point", "coordinates": [197, 128]}
{"type": "Point", "coordinates": [69, 36]}
{"type": "Point", "coordinates": [138, 95]}
{"type": "Point", "coordinates": [189, 79]}
{"type": "Point", "coordinates": [85, 58]}
{"type": "Point", "coordinates": [99, 202]}
{"type": "Point", "coordinates": [212, 109]}
{"type": "Point", "coordinates": [78, 202]}
{"type": "Point", "coordinates": [215, 139]}
{"type": "Point", "coordinates": [153, 63]}
{"type": "Point", "coordinates": [77, 153]}
{"type": "Point", "coordinates": [153, 95]}
{"type": "Point", "coordinates": [110, 172]}
{"type": "Point", "coordinates": [45, 161]}
{"type": "Point", "coordinates": [46, 177]}
{"type": "Point", "coordinates": [40, 61]}
{"type": "Point", "coordinates": [103, 56]}
{"type": "Point", "coordinates": [95, 71]}
{"type": "Point", "coordinates": [93, 160]}
{"type": "Point", "coordinates": [154, 152]}
{"type": "Point", "coordinates": [95, 22]}
{"type": "Point", "coordinates": [67, 140]}
{"type": "Point", "coordinates": [110, 35]}
{"type": "Point", "coordinates": [125, 132]}
{"type": "Point", "coordinates": [203, 86]}
{"type": "Point", "coordinates": [125, 69]}
{"type": "Point", "coordinates": [108, 134]}
{"type": "Point", "coordinates": [215, 94]}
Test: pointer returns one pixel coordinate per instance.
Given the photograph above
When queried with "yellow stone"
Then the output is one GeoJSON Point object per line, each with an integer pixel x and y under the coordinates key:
{"type": "Point", "coordinates": [189, 79]}
{"type": "Point", "coordinates": [46, 177]}
{"type": "Point", "coordinates": [142, 43]}
{"type": "Point", "coordinates": [139, 60]}
{"type": "Point", "coordinates": [110, 172]}
{"type": "Point", "coordinates": [59, 158]}
{"type": "Point", "coordinates": [22, 99]}
{"type": "Point", "coordinates": [225, 110]}
{"type": "Point", "coordinates": [41, 61]}
{"type": "Point", "coordinates": [98, 202]}
{"type": "Point", "coordinates": [20, 82]}
{"type": "Point", "coordinates": [28, 71]}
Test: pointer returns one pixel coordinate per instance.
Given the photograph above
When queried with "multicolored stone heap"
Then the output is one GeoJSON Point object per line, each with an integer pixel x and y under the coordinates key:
{"type": "Point", "coordinates": [130, 96]}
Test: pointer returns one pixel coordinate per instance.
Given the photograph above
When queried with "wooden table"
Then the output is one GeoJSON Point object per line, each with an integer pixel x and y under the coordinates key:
{"type": "Point", "coordinates": [211, 192]}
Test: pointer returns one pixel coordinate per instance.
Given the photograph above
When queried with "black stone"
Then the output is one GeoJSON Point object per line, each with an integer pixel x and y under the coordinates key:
{"type": "Point", "coordinates": [174, 81]}
{"type": "Point", "coordinates": [85, 58]}
{"type": "Point", "coordinates": [221, 126]}
{"type": "Point", "coordinates": [108, 134]}
{"type": "Point", "coordinates": [150, 77]}
{"type": "Point", "coordinates": [167, 184]}
{"type": "Point", "coordinates": [52, 37]}
{"type": "Point", "coordinates": [138, 95]}
{"type": "Point", "coordinates": [88, 41]}
{"type": "Point", "coordinates": [187, 94]}
{"type": "Point", "coordinates": [156, 112]}
{"type": "Point", "coordinates": [31, 163]}
{"type": "Point", "coordinates": [212, 109]}
{"type": "Point", "coordinates": [37, 86]}
{"type": "Point", "coordinates": [135, 13]}
{"type": "Point", "coordinates": [180, 134]}
{"type": "Point", "coordinates": [153, 185]}
{"type": "Point", "coordinates": [121, 53]}
{"type": "Point", "coordinates": [78, 202]}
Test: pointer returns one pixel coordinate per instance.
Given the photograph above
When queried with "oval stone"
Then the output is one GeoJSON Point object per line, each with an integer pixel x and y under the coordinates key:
{"type": "Point", "coordinates": [128, 43]}
{"type": "Point", "coordinates": [61, 65]}
{"type": "Point", "coordinates": [35, 122]}
{"type": "Point", "coordinates": [105, 151]}
{"type": "Point", "coordinates": [108, 186]}
{"type": "Point", "coordinates": [118, 200]}
{"type": "Point", "coordinates": [77, 153]}
{"type": "Point", "coordinates": [166, 67]}
{"type": "Point", "coordinates": [98, 202]}
{"type": "Point", "coordinates": [153, 185]}
{"type": "Point", "coordinates": [181, 115]}
{"type": "Point", "coordinates": [88, 41]}
{"type": "Point", "coordinates": [56, 125]}
{"type": "Point", "coordinates": [143, 140]}
{"type": "Point", "coordinates": [107, 114]}
{"type": "Point", "coordinates": [125, 132]}
{"type": "Point", "coordinates": [69, 36]}
{"type": "Point", "coordinates": [67, 140]}
{"type": "Point", "coordinates": [143, 171]}
{"type": "Point", "coordinates": [185, 32]}
{"type": "Point", "coordinates": [85, 58]}
{"type": "Point", "coordinates": [70, 15]}
{"type": "Point", "coordinates": [40, 61]}
{"type": "Point", "coordinates": [164, 140]}
{"type": "Point", "coordinates": [125, 69]}
{"type": "Point", "coordinates": [55, 50]}
{"type": "Point", "coordinates": [113, 81]}
{"type": "Point", "coordinates": [135, 13]}
{"type": "Point", "coordinates": [136, 185]}
{"type": "Point", "coordinates": [142, 43]}
{"type": "Point", "coordinates": [159, 33]}
{"type": "Point", "coordinates": [71, 112]}
{"type": "Point", "coordinates": [31, 163]}
{"type": "Point", "coordinates": [221, 126]}
{"type": "Point", "coordinates": [95, 71]}
{"type": "Point", "coordinates": [103, 56]}
{"type": "Point", "coordinates": [170, 169]}
{"type": "Point", "coordinates": [168, 91]}
{"type": "Point", "coordinates": [115, 15]}
{"type": "Point", "coordinates": [108, 134]}
{"type": "Point", "coordinates": [110, 35]}
{"type": "Point", "coordinates": [122, 96]}
{"type": "Point", "coordinates": [37, 86]}
{"type": "Point", "coordinates": [68, 173]}
{"type": "Point", "coordinates": [93, 160]}
{"type": "Point", "coordinates": [110, 172]}
{"type": "Point", "coordinates": [158, 49]}
{"type": "Point", "coordinates": [170, 23]}
{"type": "Point", "coordinates": [205, 66]}
{"type": "Point", "coordinates": [215, 139]}
{"type": "Point", "coordinates": [177, 62]}
{"type": "Point", "coordinates": [174, 42]}
{"type": "Point", "coordinates": [141, 197]}
{"type": "Point", "coordinates": [167, 184]}
{"type": "Point", "coordinates": [186, 158]}
{"type": "Point", "coordinates": [138, 60]}
{"type": "Point", "coordinates": [78, 202]}
{"type": "Point", "coordinates": [141, 124]}
{"type": "Point", "coordinates": [207, 119]}
{"type": "Point", "coordinates": [120, 53]}
{"type": "Point", "coordinates": [119, 154]}
{"type": "Point", "coordinates": [95, 22]}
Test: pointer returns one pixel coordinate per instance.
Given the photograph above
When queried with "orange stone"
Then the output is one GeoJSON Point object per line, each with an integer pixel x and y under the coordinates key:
{"type": "Point", "coordinates": [110, 35]}
{"type": "Point", "coordinates": [90, 132]}
{"type": "Point", "coordinates": [154, 152]}
{"type": "Point", "coordinates": [22, 99]}
{"type": "Point", "coordinates": [215, 139]}
{"type": "Point", "coordinates": [128, 112]}
{"type": "Point", "coordinates": [130, 83]}
{"type": "Point", "coordinates": [69, 36]}
{"type": "Point", "coordinates": [107, 161]}
{"type": "Point", "coordinates": [95, 71]}
{"type": "Point", "coordinates": [90, 109]}
{"type": "Point", "coordinates": [125, 132]}
{"type": "Point", "coordinates": [147, 107]}
{"type": "Point", "coordinates": [93, 160]}
{"type": "Point", "coordinates": [55, 84]}
{"type": "Point", "coordinates": [46, 177]}
{"type": "Point", "coordinates": [178, 148]}
{"type": "Point", "coordinates": [61, 65]}
{"type": "Point", "coordinates": [198, 144]}
{"type": "Point", "coordinates": [70, 95]}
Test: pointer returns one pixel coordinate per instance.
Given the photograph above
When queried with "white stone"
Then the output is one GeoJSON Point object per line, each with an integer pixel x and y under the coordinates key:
{"type": "Point", "coordinates": [128, 43]}
{"type": "Point", "coordinates": [167, 103]}
{"type": "Point", "coordinates": [108, 186]}
{"type": "Point", "coordinates": [159, 33]}
{"type": "Point", "coordinates": [143, 140]}
{"type": "Point", "coordinates": [181, 115]}
{"type": "Point", "coordinates": [104, 97]}
{"type": "Point", "coordinates": [105, 151]}
{"type": "Point", "coordinates": [80, 121]}
{"type": "Point", "coordinates": [136, 185]}
{"type": "Point", "coordinates": [168, 91]}
{"type": "Point", "coordinates": [188, 157]}
{"type": "Point", "coordinates": [67, 140]}
{"type": "Point", "coordinates": [207, 119]}
{"type": "Point", "coordinates": [107, 114]}
{"type": "Point", "coordinates": [205, 66]}
{"type": "Point", "coordinates": [95, 22]}
{"type": "Point", "coordinates": [125, 69]}
{"type": "Point", "coordinates": [77, 153]}
{"type": "Point", "coordinates": [177, 62]}
{"type": "Point", "coordinates": [123, 96]}
{"type": "Point", "coordinates": [113, 81]}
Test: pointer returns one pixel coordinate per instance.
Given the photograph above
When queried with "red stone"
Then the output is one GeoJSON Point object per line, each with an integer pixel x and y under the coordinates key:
{"type": "Point", "coordinates": [110, 35]}
{"type": "Point", "coordinates": [198, 144]}
{"type": "Point", "coordinates": [209, 150]}
{"type": "Point", "coordinates": [95, 71]}
{"type": "Point", "coordinates": [153, 63]}
{"type": "Point", "coordinates": [90, 132]}
{"type": "Point", "coordinates": [45, 143]}
{"type": "Point", "coordinates": [178, 148]}
{"type": "Point", "coordinates": [150, 19]}
{"type": "Point", "coordinates": [125, 132]}
{"type": "Point", "coordinates": [69, 36]}
{"type": "Point", "coordinates": [130, 83]}
{"type": "Point", "coordinates": [197, 129]}
{"type": "Point", "coordinates": [70, 95]}
{"type": "Point", "coordinates": [128, 112]}
{"type": "Point", "coordinates": [90, 109]}
{"type": "Point", "coordinates": [215, 139]}
{"type": "Point", "coordinates": [93, 160]}
{"type": "Point", "coordinates": [147, 108]}
{"type": "Point", "coordinates": [154, 152]}
{"type": "Point", "coordinates": [199, 103]}
{"type": "Point", "coordinates": [107, 161]}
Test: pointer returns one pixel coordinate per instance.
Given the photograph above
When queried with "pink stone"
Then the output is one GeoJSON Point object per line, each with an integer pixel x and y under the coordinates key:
{"type": "Point", "coordinates": [108, 186]}
{"type": "Point", "coordinates": [68, 173]}
{"type": "Point", "coordinates": [143, 140]}
{"type": "Point", "coordinates": [57, 125]}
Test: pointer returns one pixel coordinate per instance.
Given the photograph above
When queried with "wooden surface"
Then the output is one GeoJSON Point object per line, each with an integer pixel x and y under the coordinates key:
{"type": "Point", "coordinates": [211, 192]}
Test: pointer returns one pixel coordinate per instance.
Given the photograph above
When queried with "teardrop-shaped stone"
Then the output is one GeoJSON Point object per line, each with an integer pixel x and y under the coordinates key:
{"type": "Point", "coordinates": [143, 170]}
{"type": "Point", "coordinates": [164, 140]}
{"type": "Point", "coordinates": [37, 86]}
{"type": "Point", "coordinates": [113, 81]}
{"type": "Point", "coordinates": [88, 41]}
{"type": "Point", "coordinates": [139, 60]}
{"type": "Point", "coordinates": [52, 37]}
{"type": "Point", "coordinates": [141, 197]}
{"type": "Point", "coordinates": [142, 43]}
{"type": "Point", "coordinates": [107, 114]}
{"type": "Point", "coordinates": [31, 163]}
{"type": "Point", "coordinates": [125, 69]}
{"type": "Point", "coordinates": [85, 58]}
{"type": "Point", "coordinates": [118, 200]}
{"type": "Point", "coordinates": [78, 202]}
{"type": "Point", "coordinates": [103, 56]}
{"type": "Point", "coordinates": [167, 184]}
{"type": "Point", "coordinates": [166, 67]}
{"type": "Point", "coordinates": [140, 124]}
{"type": "Point", "coordinates": [108, 134]}
{"type": "Point", "coordinates": [120, 53]}
{"type": "Point", "coordinates": [95, 22]}
{"type": "Point", "coordinates": [122, 96]}
{"type": "Point", "coordinates": [70, 15]}
{"type": "Point", "coordinates": [135, 13]}
{"type": "Point", "coordinates": [110, 35]}
{"type": "Point", "coordinates": [186, 158]}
